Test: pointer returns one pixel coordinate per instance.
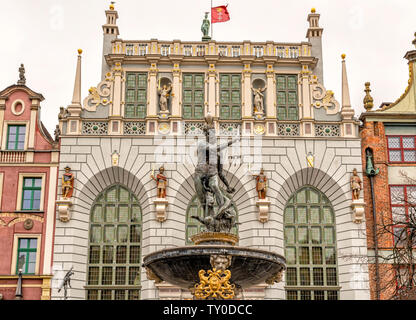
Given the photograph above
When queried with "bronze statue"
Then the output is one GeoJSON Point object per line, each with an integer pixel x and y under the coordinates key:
{"type": "Point", "coordinates": [261, 184]}
{"type": "Point", "coordinates": [356, 185]}
{"type": "Point", "coordinates": [66, 282]}
{"type": "Point", "coordinates": [207, 172]}
{"type": "Point", "coordinates": [205, 26]}
{"type": "Point", "coordinates": [67, 183]}
{"type": "Point", "coordinates": [161, 181]}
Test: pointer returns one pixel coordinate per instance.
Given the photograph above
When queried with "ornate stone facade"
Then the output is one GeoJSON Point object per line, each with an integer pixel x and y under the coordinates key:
{"type": "Point", "coordinates": [216, 78]}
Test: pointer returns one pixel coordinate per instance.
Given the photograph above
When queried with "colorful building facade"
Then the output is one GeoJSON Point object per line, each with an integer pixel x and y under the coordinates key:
{"type": "Point", "coordinates": [389, 160]}
{"type": "Point", "coordinates": [28, 179]}
{"type": "Point", "coordinates": [148, 111]}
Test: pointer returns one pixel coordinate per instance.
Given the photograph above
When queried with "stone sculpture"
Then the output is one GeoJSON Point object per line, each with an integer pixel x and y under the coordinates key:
{"type": "Point", "coordinates": [261, 184]}
{"type": "Point", "coordinates": [164, 93]}
{"type": "Point", "coordinates": [356, 185]}
{"type": "Point", "coordinates": [161, 182]}
{"type": "Point", "coordinates": [67, 183]}
{"type": "Point", "coordinates": [258, 99]}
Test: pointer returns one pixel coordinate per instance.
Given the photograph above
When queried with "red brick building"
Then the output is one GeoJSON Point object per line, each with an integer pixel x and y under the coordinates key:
{"type": "Point", "coordinates": [389, 159]}
{"type": "Point", "coordinates": [28, 180]}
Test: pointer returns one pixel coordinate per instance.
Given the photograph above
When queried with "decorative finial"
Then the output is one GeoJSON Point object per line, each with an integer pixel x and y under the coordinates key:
{"type": "Point", "coordinates": [79, 51]}
{"type": "Point", "coordinates": [22, 78]}
{"type": "Point", "coordinates": [343, 56]}
{"type": "Point", "coordinates": [368, 99]}
{"type": "Point", "coordinates": [313, 10]}
{"type": "Point", "coordinates": [112, 5]}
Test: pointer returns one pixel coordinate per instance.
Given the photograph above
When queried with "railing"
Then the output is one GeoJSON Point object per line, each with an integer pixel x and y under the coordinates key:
{"type": "Point", "coordinates": [12, 156]}
{"type": "Point", "coordinates": [198, 49]}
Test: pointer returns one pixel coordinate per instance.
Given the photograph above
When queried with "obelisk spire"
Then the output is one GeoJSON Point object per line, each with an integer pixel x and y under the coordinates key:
{"type": "Point", "coordinates": [346, 110]}
{"type": "Point", "coordinates": [76, 98]}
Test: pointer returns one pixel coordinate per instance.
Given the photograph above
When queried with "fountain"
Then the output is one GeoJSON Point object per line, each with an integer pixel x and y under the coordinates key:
{"type": "Point", "coordinates": [215, 267]}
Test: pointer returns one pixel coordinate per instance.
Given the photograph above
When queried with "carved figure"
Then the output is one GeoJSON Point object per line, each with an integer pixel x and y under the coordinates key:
{"type": "Point", "coordinates": [22, 78]}
{"type": "Point", "coordinates": [66, 283]}
{"type": "Point", "coordinates": [67, 183]}
{"type": "Point", "coordinates": [356, 185]}
{"type": "Point", "coordinates": [220, 262]}
{"type": "Point", "coordinates": [261, 184]}
{"type": "Point", "coordinates": [161, 181]}
{"type": "Point", "coordinates": [164, 93]}
{"type": "Point", "coordinates": [258, 99]}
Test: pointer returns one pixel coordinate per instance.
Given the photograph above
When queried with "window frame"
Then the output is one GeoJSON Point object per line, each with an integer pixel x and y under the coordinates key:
{"type": "Point", "coordinates": [287, 91]}
{"type": "Point", "coordinates": [17, 237]}
{"type": "Point", "coordinates": [193, 89]}
{"type": "Point", "coordinates": [401, 149]}
{"type": "Point", "coordinates": [19, 200]}
{"type": "Point", "coordinates": [405, 204]}
{"type": "Point", "coordinates": [230, 104]}
{"type": "Point", "coordinates": [139, 107]}
{"type": "Point", "coordinates": [7, 126]}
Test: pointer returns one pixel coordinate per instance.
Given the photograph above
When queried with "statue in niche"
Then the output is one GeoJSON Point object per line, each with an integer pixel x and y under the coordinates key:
{"type": "Point", "coordinates": [258, 99]}
{"type": "Point", "coordinates": [161, 182]}
{"type": "Point", "coordinates": [164, 93]}
{"type": "Point", "coordinates": [261, 184]}
{"type": "Point", "coordinates": [67, 183]}
{"type": "Point", "coordinates": [207, 172]}
{"type": "Point", "coordinates": [205, 26]}
{"type": "Point", "coordinates": [356, 185]}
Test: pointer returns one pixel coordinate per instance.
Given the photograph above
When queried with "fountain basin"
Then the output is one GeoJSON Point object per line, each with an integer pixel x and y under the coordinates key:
{"type": "Point", "coordinates": [180, 266]}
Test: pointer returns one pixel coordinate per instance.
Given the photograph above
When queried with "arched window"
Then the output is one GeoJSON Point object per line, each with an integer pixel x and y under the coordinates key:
{"type": "Point", "coordinates": [310, 246]}
{"type": "Point", "coordinates": [193, 226]}
{"type": "Point", "coordinates": [114, 251]}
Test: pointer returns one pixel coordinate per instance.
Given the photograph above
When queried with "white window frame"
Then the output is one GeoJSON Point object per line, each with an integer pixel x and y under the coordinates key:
{"type": "Point", "coordinates": [23, 175]}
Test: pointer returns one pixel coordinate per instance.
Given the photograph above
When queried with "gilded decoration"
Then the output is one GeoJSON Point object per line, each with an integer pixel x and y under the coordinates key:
{"type": "Point", "coordinates": [214, 284]}
{"type": "Point", "coordinates": [100, 95]}
{"type": "Point", "coordinates": [214, 236]}
{"type": "Point", "coordinates": [324, 98]}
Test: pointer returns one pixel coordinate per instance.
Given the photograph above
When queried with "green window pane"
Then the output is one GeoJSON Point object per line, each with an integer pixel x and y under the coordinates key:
{"type": "Point", "coordinates": [96, 234]}
{"type": "Point", "coordinates": [187, 112]}
{"type": "Point", "coordinates": [281, 97]}
{"type": "Point", "coordinates": [225, 112]}
{"type": "Point", "coordinates": [315, 215]}
{"type": "Point", "coordinates": [236, 112]}
{"type": "Point", "coordinates": [224, 81]}
{"type": "Point", "coordinates": [329, 235]}
{"type": "Point", "coordinates": [292, 98]}
{"type": "Point", "coordinates": [94, 254]}
{"type": "Point", "coordinates": [109, 235]}
{"type": "Point", "coordinates": [327, 215]}
{"type": "Point", "coordinates": [199, 96]}
{"type": "Point", "coordinates": [290, 255]}
{"type": "Point", "coordinates": [122, 233]}
{"type": "Point", "coordinates": [97, 214]}
{"type": "Point", "coordinates": [305, 279]}
{"type": "Point", "coordinates": [110, 214]}
{"type": "Point", "coordinates": [281, 113]}
{"type": "Point", "coordinates": [112, 195]}
{"type": "Point", "coordinates": [313, 196]}
{"type": "Point", "coordinates": [131, 80]}
{"type": "Point", "coordinates": [292, 82]}
{"type": "Point", "coordinates": [135, 214]}
{"type": "Point", "coordinates": [290, 215]}
{"type": "Point", "coordinates": [235, 82]}
{"type": "Point", "coordinates": [187, 81]}
{"type": "Point", "coordinates": [199, 81]}
{"type": "Point", "coordinates": [290, 235]}
{"type": "Point", "coordinates": [129, 110]}
{"type": "Point", "coordinates": [142, 80]}
{"type": "Point", "coordinates": [318, 276]}
{"type": "Point", "coordinates": [291, 276]}
{"type": "Point", "coordinates": [108, 254]}
{"type": "Point", "coordinates": [225, 96]}
{"type": "Point", "coordinates": [130, 96]}
{"type": "Point", "coordinates": [281, 83]}
{"type": "Point", "coordinates": [199, 112]}
{"type": "Point", "coordinates": [235, 97]}
{"type": "Point", "coordinates": [141, 95]}
{"type": "Point", "coordinates": [292, 114]}
{"type": "Point", "coordinates": [16, 137]}
{"type": "Point", "coordinates": [123, 213]}
{"type": "Point", "coordinates": [302, 215]}
{"type": "Point", "coordinates": [301, 196]}
{"type": "Point", "coordinates": [317, 255]}
{"type": "Point", "coordinates": [304, 255]}
{"type": "Point", "coordinates": [302, 235]}
{"type": "Point", "coordinates": [141, 111]}
{"type": "Point", "coordinates": [316, 235]}
{"type": "Point", "coordinates": [330, 257]}
{"type": "Point", "coordinates": [187, 96]}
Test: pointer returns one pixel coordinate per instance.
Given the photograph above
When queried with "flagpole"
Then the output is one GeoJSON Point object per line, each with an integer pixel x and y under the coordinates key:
{"type": "Point", "coordinates": [211, 21]}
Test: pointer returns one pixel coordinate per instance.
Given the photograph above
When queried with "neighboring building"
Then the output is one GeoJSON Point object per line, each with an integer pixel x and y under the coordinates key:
{"type": "Point", "coordinates": [389, 137]}
{"type": "Point", "coordinates": [28, 179]}
{"type": "Point", "coordinates": [307, 143]}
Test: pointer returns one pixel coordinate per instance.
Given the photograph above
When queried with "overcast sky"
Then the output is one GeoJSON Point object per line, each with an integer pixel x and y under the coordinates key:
{"type": "Point", "coordinates": [45, 35]}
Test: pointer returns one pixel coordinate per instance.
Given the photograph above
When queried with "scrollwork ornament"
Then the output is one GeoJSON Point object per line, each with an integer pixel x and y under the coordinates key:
{"type": "Point", "coordinates": [324, 99]}
{"type": "Point", "coordinates": [100, 95]}
{"type": "Point", "coordinates": [214, 284]}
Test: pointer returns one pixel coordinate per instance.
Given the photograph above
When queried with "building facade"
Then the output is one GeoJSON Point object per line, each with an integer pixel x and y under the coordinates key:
{"type": "Point", "coordinates": [28, 180]}
{"type": "Point", "coordinates": [389, 158]}
{"type": "Point", "coordinates": [148, 111]}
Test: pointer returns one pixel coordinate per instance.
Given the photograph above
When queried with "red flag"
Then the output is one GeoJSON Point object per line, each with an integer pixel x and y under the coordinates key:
{"type": "Point", "coordinates": [219, 14]}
